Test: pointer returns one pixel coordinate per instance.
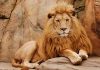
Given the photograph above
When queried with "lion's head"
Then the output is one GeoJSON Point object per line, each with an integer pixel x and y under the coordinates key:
{"type": "Point", "coordinates": [61, 24]}
{"type": "Point", "coordinates": [60, 20]}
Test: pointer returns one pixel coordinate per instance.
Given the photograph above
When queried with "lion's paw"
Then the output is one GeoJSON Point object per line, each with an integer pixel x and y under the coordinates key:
{"type": "Point", "coordinates": [76, 60]}
{"type": "Point", "coordinates": [83, 56]}
{"type": "Point", "coordinates": [31, 65]}
{"type": "Point", "coordinates": [35, 65]}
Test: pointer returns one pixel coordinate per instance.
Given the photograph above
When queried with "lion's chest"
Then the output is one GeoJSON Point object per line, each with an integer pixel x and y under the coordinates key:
{"type": "Point", "coordinates": [54, 47]}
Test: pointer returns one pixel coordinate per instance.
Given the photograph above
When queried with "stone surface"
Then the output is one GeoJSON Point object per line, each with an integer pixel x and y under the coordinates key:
{"type": "Point", "coordinates": [6, 7]}
{"type": "Point", "coordinates": [3, 24]}
{"type": "Point", "coordinates": [20, 28]}
{"type": "Point", "coordinates": [92, 25]}
{"type": "Point", "coordinates": [60, 63]}
{"type": "Point", "coordinates": [98, 16]}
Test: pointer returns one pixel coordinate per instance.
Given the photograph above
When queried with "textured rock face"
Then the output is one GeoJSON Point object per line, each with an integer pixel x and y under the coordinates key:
{"type": "Point", "coordinates": [6, 7]}
{"type": "Point", "coordinates": [23, 20]}
{"type": "Point", "coordinates": [17, 25]}
{"type": "Point", "coordinates": [96, 29]}
{"type": "Point", "coordinates": [98, 16]}
{"type": "Point", "coordinates": [93, 24]}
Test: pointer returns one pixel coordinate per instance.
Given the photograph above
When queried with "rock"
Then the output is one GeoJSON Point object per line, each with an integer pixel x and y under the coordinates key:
{"type": "Point", "coordinates": [6, 7]}
{"type": "Point", "coordinates": [7, 66]}
{"type": "Point", "coordinates": [97, 7]}
{"type": "Point", "coordinates": [3, 24]}
{"type": "Point", "coordinates": [91, 25]}
{"type": "Point", "coordinates": [62, 63]}
{"type": "Point", "coordinates": [20, 28]}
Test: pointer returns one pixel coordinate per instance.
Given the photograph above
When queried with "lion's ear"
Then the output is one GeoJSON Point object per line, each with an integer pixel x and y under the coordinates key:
{"type": "Point", "coordinates": [50, 15]}
{"type": "Point", "coordinates": [73, 13]}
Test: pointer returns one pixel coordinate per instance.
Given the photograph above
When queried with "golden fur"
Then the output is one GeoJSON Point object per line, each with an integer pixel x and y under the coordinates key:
{"type": "Point", "coordinates": [73, 44]}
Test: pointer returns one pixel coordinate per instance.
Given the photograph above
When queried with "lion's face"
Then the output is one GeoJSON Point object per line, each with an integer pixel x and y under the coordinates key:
{"type": "Point", "coordinates": [61, 24]}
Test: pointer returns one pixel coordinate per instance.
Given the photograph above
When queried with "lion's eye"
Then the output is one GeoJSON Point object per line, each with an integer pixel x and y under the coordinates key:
{"type": "Point", "coordinates": [67, 19]}
{"type": "Point", "coordinates": [58, 20]}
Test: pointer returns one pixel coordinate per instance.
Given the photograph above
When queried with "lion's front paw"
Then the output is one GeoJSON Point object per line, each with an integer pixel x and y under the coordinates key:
{"type": "Point", "coordinates": [76, 60]}
{"type": "Point", "coordinates": [35, 65]}
{"type": "Point", "coordinates": [31, 65]}
{"type": "Point", "coordinates": [83, 55]}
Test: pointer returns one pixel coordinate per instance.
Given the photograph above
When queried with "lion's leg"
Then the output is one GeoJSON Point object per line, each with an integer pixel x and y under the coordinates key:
{"type": "Point", "coordinates": [83, 54]}
{"type": "Point", "coordinates": [73, 56]}
{"type": "Point", "coordinates": [30, 65]}
{"type": "Point", "coordinates": [26, 62]}
{"type": "Point", "coordinates": [28, 56]}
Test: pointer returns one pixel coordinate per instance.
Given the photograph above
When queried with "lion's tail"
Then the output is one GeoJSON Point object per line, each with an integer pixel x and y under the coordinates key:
{"type": "Point", "coordinates": [15, 63]}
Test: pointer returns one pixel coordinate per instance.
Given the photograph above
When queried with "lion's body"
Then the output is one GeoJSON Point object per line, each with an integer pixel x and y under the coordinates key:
{"type": "Point", "coordinates": [63, 36]}
{"type": "Point", "coordinates": [52, 47]}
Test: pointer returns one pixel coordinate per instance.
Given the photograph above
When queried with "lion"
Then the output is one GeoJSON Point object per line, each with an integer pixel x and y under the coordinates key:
{"type": "Point", "coordinates": [63, 36]}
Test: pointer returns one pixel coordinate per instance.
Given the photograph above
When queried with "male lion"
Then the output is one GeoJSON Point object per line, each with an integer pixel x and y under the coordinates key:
{"type": "Point", "coordinates": [63, 36]}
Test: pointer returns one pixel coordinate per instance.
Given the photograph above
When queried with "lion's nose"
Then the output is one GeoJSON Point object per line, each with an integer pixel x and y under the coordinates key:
{"type": "Point", "coordinates": [63, 29]}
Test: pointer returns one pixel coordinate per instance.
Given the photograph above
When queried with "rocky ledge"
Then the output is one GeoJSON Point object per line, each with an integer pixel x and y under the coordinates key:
{"type": "Point", "coordinates": [61, 63]}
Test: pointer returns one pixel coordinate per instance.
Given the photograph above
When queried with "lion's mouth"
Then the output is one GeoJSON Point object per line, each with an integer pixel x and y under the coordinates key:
{"type": "Point", "coordinates": [63, 34]}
